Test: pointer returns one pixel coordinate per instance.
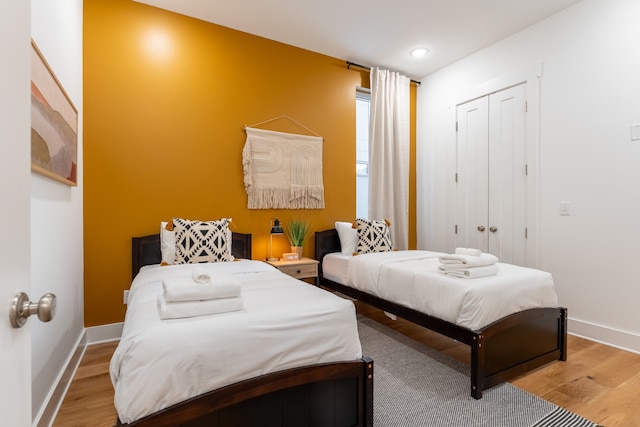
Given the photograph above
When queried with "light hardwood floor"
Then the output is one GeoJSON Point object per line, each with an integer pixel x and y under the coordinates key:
{"type": "Point", "coordinates": [598, 382]}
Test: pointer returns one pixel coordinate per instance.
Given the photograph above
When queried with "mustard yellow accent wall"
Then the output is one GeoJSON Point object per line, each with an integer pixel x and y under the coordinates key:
{"type": "Point", "coordinates": [166, 99]}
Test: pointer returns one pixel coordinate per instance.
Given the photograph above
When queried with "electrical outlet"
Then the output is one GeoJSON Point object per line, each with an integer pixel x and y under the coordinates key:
{"type": "Point", "coordinates": [125, 297]}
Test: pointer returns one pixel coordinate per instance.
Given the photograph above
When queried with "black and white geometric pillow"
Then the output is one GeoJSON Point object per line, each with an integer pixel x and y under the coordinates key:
{"type": "Point", "coordinates": [202, 241]}
{"type": "Point", "coordinates": [373, 236]}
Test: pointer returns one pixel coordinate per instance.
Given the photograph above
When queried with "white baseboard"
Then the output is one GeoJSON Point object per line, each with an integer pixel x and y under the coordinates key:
{"type": "Point", "coordinates": [624, 340]}
{"type": "Point", "coordinates": [56, 396]}
{"type": "Point", "coordinates": [104, 333]}
{"type": "Point", "coordinates": [91, 335]}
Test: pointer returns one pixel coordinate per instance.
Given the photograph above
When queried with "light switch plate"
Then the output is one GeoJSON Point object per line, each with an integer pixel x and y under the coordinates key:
{"type": "Point", "coordinates": [635, 132]}
{"type": "Point", "coordinates": [565, 208]}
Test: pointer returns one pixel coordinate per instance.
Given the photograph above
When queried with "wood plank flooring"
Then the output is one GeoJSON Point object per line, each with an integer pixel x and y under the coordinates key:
{"type": "Point", "coordinates": [598, 382]}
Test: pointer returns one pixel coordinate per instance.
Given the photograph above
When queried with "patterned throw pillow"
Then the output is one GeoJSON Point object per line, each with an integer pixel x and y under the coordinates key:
{"type": "Point", "coordinates": [373, 236]}
{"type": "Point", "coordinates": [200, 241]}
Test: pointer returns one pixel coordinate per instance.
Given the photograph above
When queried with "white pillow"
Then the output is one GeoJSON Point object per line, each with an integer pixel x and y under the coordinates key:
{"type": "Point", "coordinates": [348, 237]}
{"type": "Point", "coordinates": [167, 244]}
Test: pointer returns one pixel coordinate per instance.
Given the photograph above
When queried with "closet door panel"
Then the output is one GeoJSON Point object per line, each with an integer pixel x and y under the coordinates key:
{"type": "Point", "coordinates": [507, 176]}
{"type": "Point", "coordinates": [472, 195]}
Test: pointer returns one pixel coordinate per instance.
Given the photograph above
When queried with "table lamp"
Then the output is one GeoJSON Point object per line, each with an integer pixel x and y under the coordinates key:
{"type": "Point", "coordinates": [276, 228]}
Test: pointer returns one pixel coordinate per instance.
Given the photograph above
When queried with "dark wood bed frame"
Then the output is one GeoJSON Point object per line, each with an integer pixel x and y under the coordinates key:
{"type": "Point", "coordinates": [500, 351]}
{"type": "Point", "coordinates": [329, 394]}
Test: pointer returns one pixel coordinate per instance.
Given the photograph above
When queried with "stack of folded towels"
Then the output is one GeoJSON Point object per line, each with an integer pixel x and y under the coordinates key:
{"type": "Point", "coordinates": [199, 295]}
{"type": "Point", "coordinates": [469, 263]}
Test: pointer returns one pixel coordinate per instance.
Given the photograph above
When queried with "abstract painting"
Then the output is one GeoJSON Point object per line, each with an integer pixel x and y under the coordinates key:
{"type": "Point", "coordinates": [54, 124]}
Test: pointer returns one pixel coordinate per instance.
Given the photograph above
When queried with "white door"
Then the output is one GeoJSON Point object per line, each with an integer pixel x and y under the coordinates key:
{"type": "Point", "coordinates": [507, 176]}
{"type": "Point", "coordinates": [491, 175]}
{"type": "Point", "coordinates": [15, 189]}
{"type": "Point", "coordinates": [472, 198]}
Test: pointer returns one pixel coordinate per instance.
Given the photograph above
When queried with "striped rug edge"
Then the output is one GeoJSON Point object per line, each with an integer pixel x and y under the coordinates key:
{"type": "Point", "coordinates": [560, 417]}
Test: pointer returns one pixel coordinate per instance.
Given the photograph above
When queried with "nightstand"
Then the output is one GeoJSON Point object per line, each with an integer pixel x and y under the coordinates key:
{"type": "Point", "coordinates": [304, 268]}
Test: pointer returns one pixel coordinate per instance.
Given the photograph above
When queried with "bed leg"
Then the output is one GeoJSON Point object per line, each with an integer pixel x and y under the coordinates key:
{"type": "Point", "coordinates": [562, 330]}
{"type": "Point", "coordinates": [477, 366]}
{"type": "Point", "coordinates": [368, 392]}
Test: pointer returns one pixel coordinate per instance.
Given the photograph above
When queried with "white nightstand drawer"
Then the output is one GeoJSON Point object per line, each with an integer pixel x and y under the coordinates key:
{"type": "Point", "coordinates": [305, 268]}
{"type": "Point", "coordinates": [300, 271]}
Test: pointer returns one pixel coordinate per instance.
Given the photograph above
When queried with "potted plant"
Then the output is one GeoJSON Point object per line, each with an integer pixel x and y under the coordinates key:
{"type": "Point", "coordinates": [296, 231]}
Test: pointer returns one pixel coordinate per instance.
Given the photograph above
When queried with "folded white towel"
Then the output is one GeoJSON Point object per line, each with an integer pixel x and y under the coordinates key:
{"type": "Point", "coordinates": [473, 272]}
{"type": "Point", "coordinates": [185, 289]}
{"type": "Point", "coordinates": [455, 261]}
{"type": "Point", "coordinates": [175, 310]}
{"type": "Point", "coordinates": [200, 275]}
{"type": "Point", "coordinates": [468, 251]}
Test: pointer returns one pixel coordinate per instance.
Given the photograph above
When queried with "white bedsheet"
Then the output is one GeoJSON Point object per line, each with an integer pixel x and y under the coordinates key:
{"type": "Point", "coordinates": [285, 323]}
{"type": "Point", "coordinates": [412, 279]}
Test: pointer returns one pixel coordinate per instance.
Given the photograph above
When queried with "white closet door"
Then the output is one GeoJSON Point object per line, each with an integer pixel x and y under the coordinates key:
{"type": "Point", "coordinates": [491, 175]}
{"type": "Point", "coordinates": [507, 175]}
{"type": "Point", "coordinates": [472, 196]}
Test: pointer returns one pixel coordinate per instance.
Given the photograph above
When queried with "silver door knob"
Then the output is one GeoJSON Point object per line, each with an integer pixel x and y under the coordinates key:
{"type": "Point", "coordinates": [493, 229]}
{"type": "Point", "coordinates": [481, 228]}
{"type": "Point", "coordinates": [22, 308]}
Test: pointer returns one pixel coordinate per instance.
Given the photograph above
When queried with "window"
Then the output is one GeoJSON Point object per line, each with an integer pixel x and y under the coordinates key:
{"type": "Point", "coordinates": [363, 102]}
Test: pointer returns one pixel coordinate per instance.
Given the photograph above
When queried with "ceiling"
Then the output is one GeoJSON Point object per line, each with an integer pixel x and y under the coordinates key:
{"type": "Point", "coordinates": [376, 32]}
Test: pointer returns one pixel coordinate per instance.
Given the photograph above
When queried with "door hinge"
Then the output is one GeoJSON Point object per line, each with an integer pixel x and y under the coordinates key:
{"type": "Point", "coordinates": [526, 233]}
{"type": "Point", "coordinates": [526, 170]}
{"type": "Point", "coordinates": [456, 229]}
{"type": "Point", "coordinates": [456, 177]}
{"type": "Point", "coordinates": [526, 106]}
{"type": "Point", "coordinates": [456, 126]}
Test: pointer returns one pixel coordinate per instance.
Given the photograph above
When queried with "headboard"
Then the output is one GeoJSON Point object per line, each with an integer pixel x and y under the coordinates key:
{"type": "Point", "coordinates": [146, 250]}
{"type": "Point", "coordinates": [326, 242]}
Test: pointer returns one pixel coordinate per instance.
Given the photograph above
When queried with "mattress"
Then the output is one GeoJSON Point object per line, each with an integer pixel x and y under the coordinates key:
{"type": "Point", "coordinates": [412, 278]}
{"type": "Point", "coordinates": [285, 323]}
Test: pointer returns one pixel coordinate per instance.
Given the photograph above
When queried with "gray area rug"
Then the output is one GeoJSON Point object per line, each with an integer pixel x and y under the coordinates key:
{"type": "Point", "coordinates": [417, 386]}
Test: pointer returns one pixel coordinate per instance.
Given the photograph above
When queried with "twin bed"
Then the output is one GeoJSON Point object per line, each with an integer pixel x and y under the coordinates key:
{"type": "Point", "coordinates": [511, 320]}
{"type": "Point", "coordinates": [292, 356]}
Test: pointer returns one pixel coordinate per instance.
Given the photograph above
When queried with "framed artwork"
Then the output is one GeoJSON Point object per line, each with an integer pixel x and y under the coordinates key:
{"type": "Point", "coordinates": [54, 124]}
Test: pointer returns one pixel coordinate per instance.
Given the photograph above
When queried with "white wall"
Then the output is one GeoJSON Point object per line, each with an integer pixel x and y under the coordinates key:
{"type": "Point", "coordinates": [589, 97]}
{"type": "Point", "coordinates": [56, 211]}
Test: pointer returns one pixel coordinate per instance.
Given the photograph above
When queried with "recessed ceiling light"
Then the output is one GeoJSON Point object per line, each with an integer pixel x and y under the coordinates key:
{"type": "Point", "coordinates": [419, 51]}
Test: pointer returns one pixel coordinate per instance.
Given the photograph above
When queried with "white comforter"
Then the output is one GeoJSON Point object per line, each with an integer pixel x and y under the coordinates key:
{"type": "Point", "coordinates": [412, 279]}
{"type": "Point", "coordinates": [285, 323]}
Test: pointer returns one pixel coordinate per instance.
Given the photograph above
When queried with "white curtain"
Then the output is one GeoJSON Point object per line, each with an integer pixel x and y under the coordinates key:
{"type": "Point", "coordinates": [389, 153]}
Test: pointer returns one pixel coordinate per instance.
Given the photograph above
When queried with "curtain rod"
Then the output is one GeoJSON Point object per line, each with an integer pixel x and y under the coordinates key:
{"type": "Point", "coordinates": [364, 67]}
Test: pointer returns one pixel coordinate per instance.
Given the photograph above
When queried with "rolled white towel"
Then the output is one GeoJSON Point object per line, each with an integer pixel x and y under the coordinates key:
{"type": "Point", "coordinates": [468, 251]}
{"type": "Point", "coordinates": [200, 275]}
{"type": "Point", "coordinates": [455, 261]}
{"type": "Point", "coordinates": [175, 310]}
{"type": "Point", "coordinates": [473, 272]}
{"type": "Point", "coordinates": [185, 289]}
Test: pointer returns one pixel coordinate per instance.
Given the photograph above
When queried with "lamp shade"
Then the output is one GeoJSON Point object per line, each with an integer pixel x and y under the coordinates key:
{"type": "Point", "coordinates": [276, 228]}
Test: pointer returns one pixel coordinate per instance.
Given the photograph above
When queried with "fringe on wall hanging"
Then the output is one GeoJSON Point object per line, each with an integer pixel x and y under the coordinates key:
{"type": "Point", "coordinates": [282, 170]}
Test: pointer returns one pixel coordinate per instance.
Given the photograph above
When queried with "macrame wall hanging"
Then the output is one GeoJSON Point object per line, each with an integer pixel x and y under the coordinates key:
{"type": "Point", "coordinates": [282, 170]}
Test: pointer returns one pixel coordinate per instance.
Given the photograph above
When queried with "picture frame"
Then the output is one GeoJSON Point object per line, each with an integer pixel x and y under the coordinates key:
{"type": "Point", "coordinates": [290, 256]}
{"type": "Point", "coordinates": [54, 124]}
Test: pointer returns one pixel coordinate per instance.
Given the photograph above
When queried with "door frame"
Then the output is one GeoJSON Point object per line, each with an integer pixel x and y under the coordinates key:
{"type": "Point", "coordinates": [532, 76]}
